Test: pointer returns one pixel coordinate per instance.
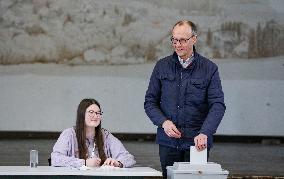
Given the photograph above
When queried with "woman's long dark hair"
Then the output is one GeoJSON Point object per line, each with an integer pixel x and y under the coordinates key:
{"type": "Point", "coordinates": [81, 131]}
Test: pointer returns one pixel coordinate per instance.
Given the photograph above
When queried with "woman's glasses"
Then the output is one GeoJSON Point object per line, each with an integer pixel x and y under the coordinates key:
{"type": "Point", "coordinates": [98, 113]}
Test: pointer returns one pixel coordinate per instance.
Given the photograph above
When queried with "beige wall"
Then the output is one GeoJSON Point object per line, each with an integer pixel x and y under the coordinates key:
{"type": "Point", "coordinates": [62, 51]}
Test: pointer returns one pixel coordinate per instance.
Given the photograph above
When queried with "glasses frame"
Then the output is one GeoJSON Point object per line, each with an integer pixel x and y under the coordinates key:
{"type": "Point", "coordinates": [181, 41]}
{"type": "Point", "coordinates": [98, 113]}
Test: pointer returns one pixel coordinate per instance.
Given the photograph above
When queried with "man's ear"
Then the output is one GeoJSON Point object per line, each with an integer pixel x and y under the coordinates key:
{"type": "Point", "coordinates": [194, 38]}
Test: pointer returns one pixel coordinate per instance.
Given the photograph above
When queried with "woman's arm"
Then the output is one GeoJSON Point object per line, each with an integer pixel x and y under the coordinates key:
{"type": "Point", "coordinates": [118, 151]}
{"type": "Point", "coordinates": [63, 154]}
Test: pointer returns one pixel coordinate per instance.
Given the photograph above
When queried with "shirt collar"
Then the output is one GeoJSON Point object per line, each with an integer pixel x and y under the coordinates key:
{"type": "Point", "coordinates": [187, 62]}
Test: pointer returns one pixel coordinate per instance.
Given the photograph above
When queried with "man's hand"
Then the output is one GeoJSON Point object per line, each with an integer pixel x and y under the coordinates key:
{"type": "Point", "coordinates": [200, 142]}
{"type": "Point", "coordinates": [170, 129]}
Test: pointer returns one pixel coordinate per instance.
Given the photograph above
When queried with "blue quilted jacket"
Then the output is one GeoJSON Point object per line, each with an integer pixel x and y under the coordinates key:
{"type": "Point", "coordinates": [191, 98]}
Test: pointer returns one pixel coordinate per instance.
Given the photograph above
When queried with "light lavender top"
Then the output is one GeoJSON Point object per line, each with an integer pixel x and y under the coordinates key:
{"type": "Point", "coordinates": [65, 151]}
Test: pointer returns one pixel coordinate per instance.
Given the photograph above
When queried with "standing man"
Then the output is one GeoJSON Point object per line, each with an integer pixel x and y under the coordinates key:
{"type": "Point", "coordinates": [184, 98]}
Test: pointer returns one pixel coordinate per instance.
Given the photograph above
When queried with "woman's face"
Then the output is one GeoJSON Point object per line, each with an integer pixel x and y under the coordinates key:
{"type": "Point", "coordinates": [93, 116]}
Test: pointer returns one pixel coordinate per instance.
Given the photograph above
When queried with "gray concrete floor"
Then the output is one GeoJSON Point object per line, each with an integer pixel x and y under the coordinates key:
{"type": "Point", "coordinates": [238, 158]}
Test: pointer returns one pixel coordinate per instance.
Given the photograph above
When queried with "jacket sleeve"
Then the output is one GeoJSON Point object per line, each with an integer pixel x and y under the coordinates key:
{"type": "Point", "coordinates": [216, 105]}
{"type": "Point", "coordinates": [152, 99]}
{"type": "Point", "coordinates": [61, 154]}
{"type": "Point", "coordinates": [117, 151]}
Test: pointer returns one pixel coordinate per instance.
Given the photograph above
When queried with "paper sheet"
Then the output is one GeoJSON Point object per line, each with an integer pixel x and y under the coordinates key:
{"type": "Point", "coordinates": [198, 157]}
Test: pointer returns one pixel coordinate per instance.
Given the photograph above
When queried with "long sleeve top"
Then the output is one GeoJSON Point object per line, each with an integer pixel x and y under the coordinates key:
{"type": "Point", "coordinates": [65, 151]}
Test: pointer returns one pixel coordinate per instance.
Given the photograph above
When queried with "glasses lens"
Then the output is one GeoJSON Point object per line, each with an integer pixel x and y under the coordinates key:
{"type": "Point", "coordinates": [99, 113]}
{"type": "Point", "coordinates": [181, 41]}
{"type": "Point", "coordinates": [174, 41]}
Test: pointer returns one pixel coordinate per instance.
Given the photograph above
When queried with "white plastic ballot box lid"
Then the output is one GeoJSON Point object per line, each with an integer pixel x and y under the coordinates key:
{"type": "Point", "coordinates": [187, 167]}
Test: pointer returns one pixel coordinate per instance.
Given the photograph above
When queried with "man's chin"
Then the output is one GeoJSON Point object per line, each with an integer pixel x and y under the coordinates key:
{"type": "Point", "coordinates": [180, 52]}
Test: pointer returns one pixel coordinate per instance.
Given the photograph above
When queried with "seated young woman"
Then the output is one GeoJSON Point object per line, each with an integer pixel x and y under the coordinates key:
{"type": "Point", "coordinates": [88, 144]}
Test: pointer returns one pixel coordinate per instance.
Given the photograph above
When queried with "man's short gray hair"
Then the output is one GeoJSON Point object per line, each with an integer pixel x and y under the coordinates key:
{"type": "Point", "coordinates": [191, 24]}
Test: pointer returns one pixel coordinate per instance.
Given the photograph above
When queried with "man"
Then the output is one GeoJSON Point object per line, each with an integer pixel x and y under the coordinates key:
{"type": "Point", "coordinates": [184, 98]}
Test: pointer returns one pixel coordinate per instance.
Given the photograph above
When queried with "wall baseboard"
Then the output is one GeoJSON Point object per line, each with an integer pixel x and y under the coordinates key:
{"type": "Point", "coordinates": [145, 137]}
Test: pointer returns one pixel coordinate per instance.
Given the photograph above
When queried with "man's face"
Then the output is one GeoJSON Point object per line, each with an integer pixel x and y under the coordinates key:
{"type": "Point", "coordinates": [183, 41]}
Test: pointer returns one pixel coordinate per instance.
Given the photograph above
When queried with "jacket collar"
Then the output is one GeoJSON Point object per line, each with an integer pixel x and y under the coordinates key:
{"type": "Point", "coordinates": [175, 58]}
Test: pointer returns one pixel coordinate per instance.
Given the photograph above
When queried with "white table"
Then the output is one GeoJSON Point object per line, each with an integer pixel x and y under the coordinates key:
{"type": "Point", "coordinates": [65, 172]}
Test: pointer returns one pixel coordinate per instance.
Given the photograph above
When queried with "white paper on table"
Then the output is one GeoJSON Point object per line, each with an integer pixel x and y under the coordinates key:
{"type": "Point", "coordinates": [84, 168]}
{"type": "Point", "coordinates": [107, 168]}
{"type": "Point", "coordinates": [198, 157]}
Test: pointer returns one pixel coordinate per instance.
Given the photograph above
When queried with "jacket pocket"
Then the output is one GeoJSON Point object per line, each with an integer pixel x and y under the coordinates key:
{"type": "Point", "coordinates": [196, 91]}
{"type": "Point", "coordinates": [168, 84]}
{"type": "Point", "coordinates": [198, 83]}
{"type": "Point", "coordinates": [167, 77]}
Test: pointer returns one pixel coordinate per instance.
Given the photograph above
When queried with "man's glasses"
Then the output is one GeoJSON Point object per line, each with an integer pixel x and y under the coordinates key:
{"type": "Point", "coordinates": [181, 41]}
{"type": "Point", "coordinates": [98, 113]}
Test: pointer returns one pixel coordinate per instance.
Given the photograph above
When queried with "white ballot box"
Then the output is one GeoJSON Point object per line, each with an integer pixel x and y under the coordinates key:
{"type": "Point", "coordinates": [197, 168]}
{"type": "Point", "coordinates": [185, 170]}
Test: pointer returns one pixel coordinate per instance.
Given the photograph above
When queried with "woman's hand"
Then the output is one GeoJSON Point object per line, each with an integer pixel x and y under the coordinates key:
{"type": "Point", "coordinates": [113, 162]}
{"type": "Point", "coordinates": [93, 162]}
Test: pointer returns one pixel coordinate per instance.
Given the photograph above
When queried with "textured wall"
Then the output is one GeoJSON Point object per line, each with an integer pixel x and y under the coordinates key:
{"type": "Point", "coordinates": [131, 32]}
{"type": "Point", "coordinates": [54, 53]}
